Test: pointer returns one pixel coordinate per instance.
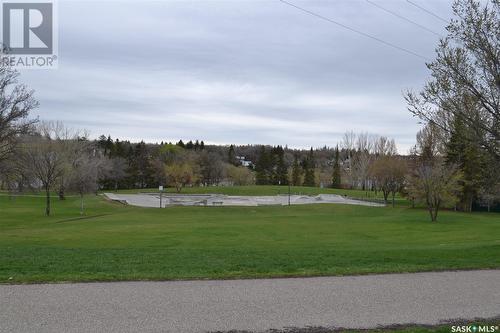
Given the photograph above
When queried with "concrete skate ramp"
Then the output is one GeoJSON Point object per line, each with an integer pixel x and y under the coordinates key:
{"type": "Point", "coordinates": [169, 200]}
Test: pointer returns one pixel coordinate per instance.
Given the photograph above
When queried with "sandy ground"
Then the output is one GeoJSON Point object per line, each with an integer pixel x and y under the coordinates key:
{"type": "Point", "coordinates": [251, 305]}
{"type": "Point", "coordinates": [153, 200]}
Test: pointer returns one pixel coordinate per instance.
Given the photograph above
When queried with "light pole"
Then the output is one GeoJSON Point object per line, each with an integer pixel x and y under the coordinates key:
{"type": "Point", "coordinates": [289, 193]}
{"type": "Point", "coordinates": [161, 193]}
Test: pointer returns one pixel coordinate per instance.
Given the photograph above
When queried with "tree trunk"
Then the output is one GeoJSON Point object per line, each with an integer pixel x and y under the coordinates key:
{"type": "Point", "coordinates": [47, 201]}
{"type": "Point", "coordinates": [61, 190]}
{"type": "Point", "coordinates": [436, 210]}
{"type": "Point", "coordinates": [81, 203]}
{"type": "Point", "coordinates": [61, 193]}
{"type": "Point", "coordinates": [431, 213]}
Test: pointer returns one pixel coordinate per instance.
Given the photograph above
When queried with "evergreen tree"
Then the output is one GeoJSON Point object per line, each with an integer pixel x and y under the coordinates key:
{"type": "Point", "coordinates": [262, 176]}
{"type": "Point", "coordinates": [231, 156]}
{"type": "Point", "coordinates": [189, 145]}
{"type": "Point", "coordinates": [119, 149]}
{"type": "Point", "coordinates": [465, 152]}
{"type": "Point", "coordinates": [281, 172]}
{"type": "Point", "coordinates": [336, 180]}
{"type": "Point", "coordinates": [101, 143]}
{"type": "Point", "coordinates": [141, 171]}
{"type": "Point", "coordinates": [202, 145]}
{"type": "Point", "coordinates": [181, 144]}
{"type": "Point", "coordinates": [309, 168]}
{"type": "Point", "coordinates": [296, 172]}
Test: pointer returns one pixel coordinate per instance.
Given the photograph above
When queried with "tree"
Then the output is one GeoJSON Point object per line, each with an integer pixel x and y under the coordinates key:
{"type": "Point", "coordinates": [43, 157]}
{"type": "Point", "coordinates": [141, 170]}
{"type": "Point", "coordinates": [336, 175]}
{"type": "Point", "coordinates": [348, 145]}
{"type": "Point", "coordinates": [113, 171]}
{"type": "Point", "coordinates": [309, 168]}
{"type": "Point", "coordinates": [383, 146]}
{"type": "Point", "coordinates": [231, 156]}
{"type": "Point", "coordinates": [465, 76]}
{"type": "Point", "coordinates": [389, 173]}
{"type": "Point", "coordinates": [436, 185]}
{"type": "Point", "coordinates": [262, 167]}
{"type": "Point", "coordinates": [281, 170]}
{"type": "Point", "coordinates": [361, 160]}
{"type": "Point", "coordinates": [85, 175]}
{"type": "Point", "coordinates": [181, 174]}
{"type": "Point", "coordinates": [16, 103]}
{"type": "Point", "coordinates": [489, 188]}
{"type": "Point", "coordinates": [463, 151]}
{"type": "Point", "coordinates": [296, 172]}
{"type": "Point", "coordinates": [211, 168]}
{"type": "Point", "coordinates": [240, 176]}
{"type": "Point", "coordinates": [432, 182]}
{"type": "Point", "coordinates": [181, 144]}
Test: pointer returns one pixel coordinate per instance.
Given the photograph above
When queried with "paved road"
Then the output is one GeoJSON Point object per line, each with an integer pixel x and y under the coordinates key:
{"type": "Point", "coordinates": [256, 305]}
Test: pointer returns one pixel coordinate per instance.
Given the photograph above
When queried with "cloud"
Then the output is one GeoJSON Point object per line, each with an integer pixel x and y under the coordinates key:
{"type": "Point", "coordinates": [235, 71]}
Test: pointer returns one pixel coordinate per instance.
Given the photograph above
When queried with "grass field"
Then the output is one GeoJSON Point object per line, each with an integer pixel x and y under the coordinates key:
{"type": "Point", "coordinates": [116, 242]}
{"type": "Point", "coordinates": [259, 190]}
{"type": "Point", "coordinates": [490, 324]}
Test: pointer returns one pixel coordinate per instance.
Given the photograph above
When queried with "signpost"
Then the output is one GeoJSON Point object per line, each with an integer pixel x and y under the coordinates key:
{"type": "Point", "coordinates": [161, 193]}
{"type": "Point", "coordinates": [289, 190]}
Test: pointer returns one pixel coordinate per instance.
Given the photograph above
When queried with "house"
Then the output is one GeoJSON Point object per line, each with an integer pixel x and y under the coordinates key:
{"type": "Point", "coordinates": [243, 161]}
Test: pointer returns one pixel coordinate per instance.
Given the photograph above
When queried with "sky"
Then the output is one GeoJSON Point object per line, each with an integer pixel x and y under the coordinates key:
{"type": "Point", "coordinates": [238, 72]}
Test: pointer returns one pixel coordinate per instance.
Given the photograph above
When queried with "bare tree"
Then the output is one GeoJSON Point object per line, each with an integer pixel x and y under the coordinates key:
{"type": "Point", "coordinates": [383, 146]}
{"type": "Point", "coordinates": [44, 156]}
{"type": "Point", "coordinates": [115, 169]}
{"type": "Point", "coordinates": [84, 175]}
{"type": "Point", "coordinates": [465, 76]}
{"type": "Point", "coordinates": [432, 182]}
{"type": "Point", "coordinates": [389, 173]}
{"type": "Point", "coordinates": [362, 159]}
{"type": "Point", "coordinates": [348, 144]}
{"type": "Point", "coordinates": [211, 168]}
{"type": "Point", "coordinates": [436, 185]}
{"type": "Point", "coordinates": [16, 101]}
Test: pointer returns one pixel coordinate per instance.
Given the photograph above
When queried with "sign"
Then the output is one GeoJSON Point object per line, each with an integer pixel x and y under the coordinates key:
{"type": "Point", "coordinates": [29, 34]}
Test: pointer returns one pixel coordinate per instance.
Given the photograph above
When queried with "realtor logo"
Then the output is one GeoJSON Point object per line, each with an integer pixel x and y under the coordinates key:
{"type": "Point", "coordinates": [27, 28]}
{"type": "Point", "coordinates": [28, 34]}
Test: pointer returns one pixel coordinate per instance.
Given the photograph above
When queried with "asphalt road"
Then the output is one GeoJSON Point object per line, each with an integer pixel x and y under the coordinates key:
{"type": "Point", "coordinates": [255, 305]}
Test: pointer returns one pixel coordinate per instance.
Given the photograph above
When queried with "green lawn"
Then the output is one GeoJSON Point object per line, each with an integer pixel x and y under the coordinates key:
{"type": "Point", "coordinates": [491, 325]}
{"type": "Point", "coordinates": [264, 190]}
{"type": "Point", "coordinates": [116, 242]}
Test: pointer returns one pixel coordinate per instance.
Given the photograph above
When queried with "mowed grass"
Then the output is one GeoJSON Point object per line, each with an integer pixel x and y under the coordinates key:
{"type": "Point", "coordinates": [116, 242]}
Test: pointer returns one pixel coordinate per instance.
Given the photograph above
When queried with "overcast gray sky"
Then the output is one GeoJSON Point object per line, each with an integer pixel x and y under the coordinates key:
{"type": "Point", "coordinates": [237, 71]}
